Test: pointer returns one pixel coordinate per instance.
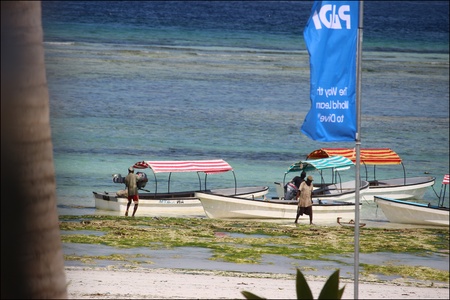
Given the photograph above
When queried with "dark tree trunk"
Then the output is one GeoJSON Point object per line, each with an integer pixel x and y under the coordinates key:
{"type": "Point", "coordinates": [32, 263]}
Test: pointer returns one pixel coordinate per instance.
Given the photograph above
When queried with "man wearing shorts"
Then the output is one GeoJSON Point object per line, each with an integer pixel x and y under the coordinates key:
{"type": "Point", "coordinates": [131, 184]}
{"type": "Point", "coordinates": [305, 200]}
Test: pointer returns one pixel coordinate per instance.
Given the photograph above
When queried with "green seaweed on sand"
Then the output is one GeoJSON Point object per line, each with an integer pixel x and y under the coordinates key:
{"type": "Point", "coordinates": [248, 241]}
{"type": "Point", "coordinates": [91, 259]}
{"type": "Point", "coordinates": [416, 272]}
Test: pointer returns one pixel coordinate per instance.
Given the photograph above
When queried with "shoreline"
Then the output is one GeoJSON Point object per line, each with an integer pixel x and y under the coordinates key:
{"type": "Point", "coordinates": [147, 283]}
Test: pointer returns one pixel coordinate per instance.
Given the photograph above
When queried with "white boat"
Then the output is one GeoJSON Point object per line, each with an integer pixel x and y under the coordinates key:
{"type": "Point", "coordinates": [397, 188]}
{"type": "Point", "coordinates": [229, 207]}
{"type": "Point", "coordinates": [183, 203]}
{"type": "Point", "coordinates": [327, 203]}
{"type": "Point", "coordinates": [409, 212]}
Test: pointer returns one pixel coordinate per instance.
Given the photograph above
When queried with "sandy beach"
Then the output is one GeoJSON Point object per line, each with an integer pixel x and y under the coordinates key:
{"type": "Point", "coordinates": [140, 283]}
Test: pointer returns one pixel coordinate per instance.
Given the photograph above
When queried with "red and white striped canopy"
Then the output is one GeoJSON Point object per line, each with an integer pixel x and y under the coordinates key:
{"type": "Point", "coordinates": [446, 179]}
{"type": "Point", "coordinates": [206, 166]}
{"type": "Point", "coordinates": [368, 156]}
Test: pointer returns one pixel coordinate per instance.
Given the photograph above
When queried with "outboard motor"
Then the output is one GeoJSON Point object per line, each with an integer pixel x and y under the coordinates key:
{"type": "Point", "coordinates": [117, 178]}
{"type": "Point", "coordinates": [141, 180]}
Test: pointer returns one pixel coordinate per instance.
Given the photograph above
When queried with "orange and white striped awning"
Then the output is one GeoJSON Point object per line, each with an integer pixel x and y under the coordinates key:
{"type": "Point", "coordinates": [368, 156]}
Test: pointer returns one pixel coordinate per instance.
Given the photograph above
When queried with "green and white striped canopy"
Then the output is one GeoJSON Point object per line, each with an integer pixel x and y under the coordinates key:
{"type": "Point", "coordinates": [336, 162]}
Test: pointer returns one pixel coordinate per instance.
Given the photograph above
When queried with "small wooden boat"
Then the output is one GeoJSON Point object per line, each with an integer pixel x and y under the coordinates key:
{"type": "Point", "coordinates": [173, 202]}
{"type": "Point", "coordinates": [398, 188]}
{"type": "Point", "coordinates": [350, 223]}
{"type": "Point", "coordinates": [409, 212]}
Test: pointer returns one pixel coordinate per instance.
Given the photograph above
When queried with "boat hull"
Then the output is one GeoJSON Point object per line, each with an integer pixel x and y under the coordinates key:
{"type": "Point", "coordinates": [413, 188]}
{"type": "Point", "coordinates": [407, 212]}
{"type": "Point", "coordinates": [177, 203]}
{"type": "Point", "coordinates": [226, 207]}
{"type": "Point", "coordinates": [182, 206]}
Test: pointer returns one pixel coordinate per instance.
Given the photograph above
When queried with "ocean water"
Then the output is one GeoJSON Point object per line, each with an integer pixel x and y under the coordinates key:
{"type": "Point", "coordinates": [181, 80]}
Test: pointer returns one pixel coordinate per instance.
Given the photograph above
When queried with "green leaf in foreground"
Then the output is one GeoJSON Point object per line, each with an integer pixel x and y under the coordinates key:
{"type": "Point", "coordinates": [329, 291]}
{"type": "Point", "coordinates": [302, 287]}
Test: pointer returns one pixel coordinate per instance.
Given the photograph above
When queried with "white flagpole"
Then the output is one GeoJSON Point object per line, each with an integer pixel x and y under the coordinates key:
{"type": "Point", "coordinates": [357, 148]}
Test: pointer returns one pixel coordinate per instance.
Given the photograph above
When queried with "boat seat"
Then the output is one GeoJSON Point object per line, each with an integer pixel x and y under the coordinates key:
{"type": "Point", "coordinates": [373, 183]}
{"type": "Point", "coordinates": [319, 192]}
{"type": "Point", "coordinates": [280, 190]}
{"type": "Point", "coordinates": [329, 190]}
{"type": "Point", "coordinates": [380, 183]}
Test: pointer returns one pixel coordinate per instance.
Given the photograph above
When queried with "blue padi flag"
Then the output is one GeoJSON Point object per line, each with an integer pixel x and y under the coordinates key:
{"type": "Point", "coordinates": [331, 40]}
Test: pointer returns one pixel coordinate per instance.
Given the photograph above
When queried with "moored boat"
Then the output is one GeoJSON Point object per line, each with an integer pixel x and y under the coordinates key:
{"type": "Point", "coordinates": [183, 203]}
{"type": "Point", "coordinates": [410, 212]}
{"type": "Point", "coordinates": [350, 223]}
{"type": "Point", "coordinates": [328, 198]}
{"type": "Point", "coordinates": [398, 188]}
{"type": "Point", "coordinates": [230, 207]}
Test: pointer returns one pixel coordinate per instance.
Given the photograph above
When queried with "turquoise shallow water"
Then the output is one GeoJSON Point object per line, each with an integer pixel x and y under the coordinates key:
{"type": "Point", "coordinates": [150, 83]}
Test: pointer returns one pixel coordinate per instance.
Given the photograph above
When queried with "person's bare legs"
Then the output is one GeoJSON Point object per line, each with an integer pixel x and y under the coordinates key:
{"type": "Point", "coordinates": [298, 215]}
{"type": "Point", "coordinates": [311, 217]}
{"type": "Point", "coordinates": [135, 208]}
{"type": "Point", "coordinates": [128, 207]}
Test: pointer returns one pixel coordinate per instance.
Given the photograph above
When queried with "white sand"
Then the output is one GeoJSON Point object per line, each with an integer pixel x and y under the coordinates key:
{"type": "Point", "coordinates": [103, 283]}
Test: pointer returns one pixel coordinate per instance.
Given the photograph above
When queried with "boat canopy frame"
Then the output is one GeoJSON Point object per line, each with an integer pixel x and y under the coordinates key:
{"type": "Point", "coordinates": [368, 156]}
{"type": "Point", "coordinates": [215, 166]}
{"type": "Point", "coordinates": [445, 182]}
{"type": "Point", "coordinates": [335, 163]}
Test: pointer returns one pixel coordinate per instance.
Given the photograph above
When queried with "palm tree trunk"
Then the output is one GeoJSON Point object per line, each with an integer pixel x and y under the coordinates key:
{"type": "Point", "coordinates": [32, 263]}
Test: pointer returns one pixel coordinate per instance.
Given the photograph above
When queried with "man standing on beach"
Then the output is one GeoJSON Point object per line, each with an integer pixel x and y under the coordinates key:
{"type": "Point", "coordinates": [305, 199]}
{"type": "Point", "coordinates": [131, 184]}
